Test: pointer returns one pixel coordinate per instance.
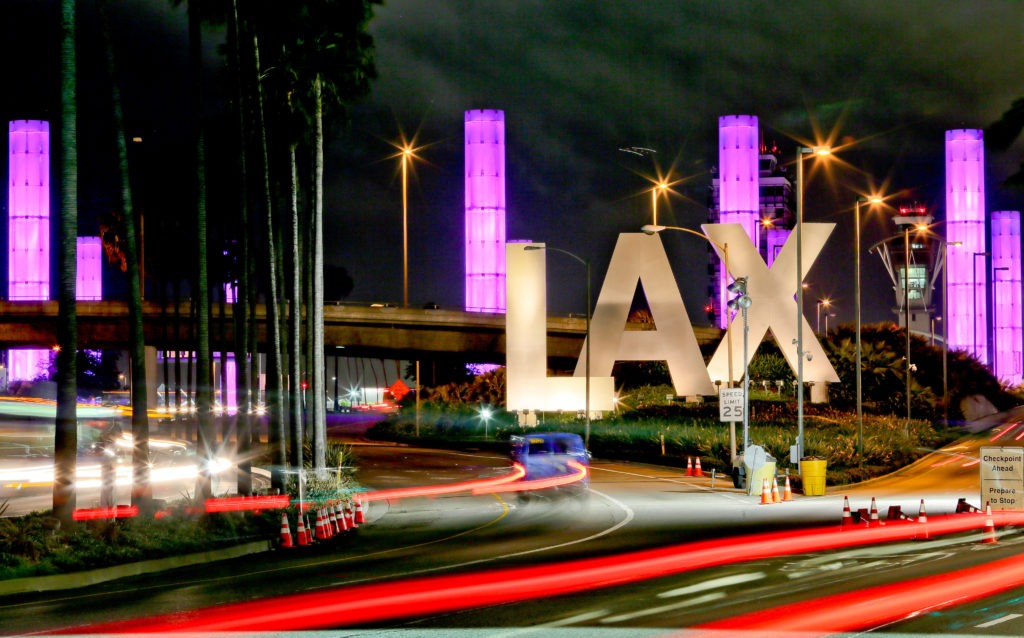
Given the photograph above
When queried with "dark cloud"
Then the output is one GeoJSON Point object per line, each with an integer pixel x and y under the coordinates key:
{"type": "Point", "coordinates": [577, 80]}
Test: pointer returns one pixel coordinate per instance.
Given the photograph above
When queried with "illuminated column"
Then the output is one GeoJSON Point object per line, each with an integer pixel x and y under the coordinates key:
{"type": "Point", "coordinates": [739, 195]}
{"type": "Point", "coordinates": [485, 211]}
{"type": "Point", "coordinates": [965, 223]}
{"type": "Point", "coordinates": [1006, 296]}
{"type": "Point", "coordinates": [89, 286]}
{"type": "Point", "coordinates": [28, 229]}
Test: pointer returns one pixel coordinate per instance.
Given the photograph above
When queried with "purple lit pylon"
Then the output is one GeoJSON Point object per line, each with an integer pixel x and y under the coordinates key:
{"type": "Point", "coordinates": [739, 187]}
{"type": "Point", "coordinates": [965, 228]}
{"type": "Point", "coordinates": [28, 229]}
{"type": "Point", "coordinates": [485, 211]}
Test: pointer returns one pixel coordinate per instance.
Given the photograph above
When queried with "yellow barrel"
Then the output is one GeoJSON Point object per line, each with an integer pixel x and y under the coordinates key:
{"type": "Point", "coordinates": [812, 473]}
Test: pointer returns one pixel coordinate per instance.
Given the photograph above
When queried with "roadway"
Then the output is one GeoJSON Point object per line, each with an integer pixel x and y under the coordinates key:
{"type": "Point", "coordinates": [632, 508]}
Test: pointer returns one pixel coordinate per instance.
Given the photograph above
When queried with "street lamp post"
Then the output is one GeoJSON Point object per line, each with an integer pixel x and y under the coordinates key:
{"type": "Point", "coordinates": [906, 312]}
{"type": "Point", "coordinates": [658, 189]}
{"type": "Point", "coordinates": [406, 156]}
{"type": "Point", "coordinates": [800, 354]}
{"type": "Point", "coordinates": [974, 299]}
{"type": "Point", "coordinates": [945, 330]}
{"type": "Point", "coordinates": [586, 364]}
{"type": "Point", "coordinates": [651, 229]}
{"type": "Point", "coordinates": [856, 288]}
{"type": "Point", "coordinates": [743, 301]}
{"type": "Point", "coordinates": [995, 334]}
{"type": "Point", "coordinates": [827, 303]}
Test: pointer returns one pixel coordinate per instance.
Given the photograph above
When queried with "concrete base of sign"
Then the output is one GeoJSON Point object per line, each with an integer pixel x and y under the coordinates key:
{"type": "Point", "coordinates": [819, 393]}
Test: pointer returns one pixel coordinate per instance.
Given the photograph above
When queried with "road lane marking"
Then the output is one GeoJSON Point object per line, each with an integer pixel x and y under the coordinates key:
{"type": "Point", "coordinates": [714, 583]}
{"type": "Point", "coordinates": [997, 621]}
{"type": "Point", "coordinates": [732, 495]}
{"type": "Point", "coordinates": [699, 600]}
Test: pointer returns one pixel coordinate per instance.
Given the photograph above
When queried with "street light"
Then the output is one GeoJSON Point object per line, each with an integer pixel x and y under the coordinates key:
{"type": "Point", "coordinates": [974, 299]}
{"type": "Point", "coordinates": [406, 156]}
{"type": "Point", "coordinates": [827, 303]}
{"type": "Point", "coordinates": [656, 192]}
{"type": "Point", "coordinates": [742, 301]}
{"type": "Point", "coordinates": [995, 335]}
{"type": "Point", "coordinates": [586, 265]}
{"type": "Point", "coordinates": [827, 315]}
{"type": "Point", "coordinates": [856, 303]}
{"type": "Point", "coordinates": [800, 354]}
{"type": "Point", "coordinates": [945, 330]}
{"type": "Point", "coordinates": [651, 229]}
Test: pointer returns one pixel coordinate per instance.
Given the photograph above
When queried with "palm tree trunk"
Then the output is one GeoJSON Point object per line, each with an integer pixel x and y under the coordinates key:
{"type": "Point", "coordinates": [243, 369]}
{"type": "Point", "coordinates": [317, 302]}
{"type": "Point", "coordinates": [275, 409]}
{"type": "Point", "coordinates": [295, 317]}
{"type": "Point", "coordinates": [65, 435]}
{"type": "Point", "coordinates": [142, 490]}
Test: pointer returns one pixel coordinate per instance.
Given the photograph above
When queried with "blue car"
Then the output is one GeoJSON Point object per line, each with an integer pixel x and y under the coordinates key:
{"type": "Point", "coordinates": [547, 455]}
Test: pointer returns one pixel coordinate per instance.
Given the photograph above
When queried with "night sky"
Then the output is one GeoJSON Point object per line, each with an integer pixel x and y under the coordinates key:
{"type": "Point", "coordinates": [579, 80]}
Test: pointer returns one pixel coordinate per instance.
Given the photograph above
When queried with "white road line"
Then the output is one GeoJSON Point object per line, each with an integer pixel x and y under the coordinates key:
{"type": "Point", "coordinates": [699, 600]}
{"type": "Point", "coordinates": [625, 521]}
{"type": "Point", "coordinates": [998, 621]}
{"type": "Point", "coordinates": [715, 583]}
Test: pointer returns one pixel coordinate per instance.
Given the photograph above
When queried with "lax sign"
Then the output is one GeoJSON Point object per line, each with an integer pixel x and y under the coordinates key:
{"type": "Point", "coordinates": [641, 258]}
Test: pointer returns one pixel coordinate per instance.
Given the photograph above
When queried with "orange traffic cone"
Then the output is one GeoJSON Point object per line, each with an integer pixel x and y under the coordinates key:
{"type": "Point", "coordinates": [350, 515]}
{"type": "Point", "coordinates": [775, 491]}
{"type": "Point", "coordinates": [787, 492]}
{"type": "Point", "coordinates": [333, 521]}
{"type": "Point", "coordinates": [766, 492]}
{"type": "Point", "coordinates": [689, 466]}
{"type": "Point", "coordinates": [847, 516]}
{"type": "Point", "coordinates": [873, 517]}
{"type": "Point", "coordinates": [696, 468]}
{"type": "Point", "coordinates": [361, 515]}
{"type": "Point", "coordinates": [321, 530]}
{"type": "Point", "coordinates": [286, 532]}
{"type": "Point", "coordinates": [303, 533]}
{"type": "Point", "coordinates": [339, 512]}
{"type": "Point", "coordinates": [990, 528]}
{"type": "Point", "coordinates": [922, 518]}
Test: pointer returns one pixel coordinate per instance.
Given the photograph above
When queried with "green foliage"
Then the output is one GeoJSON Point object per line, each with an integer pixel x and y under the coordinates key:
{"type": "Point", "coordinates": [37, 545]}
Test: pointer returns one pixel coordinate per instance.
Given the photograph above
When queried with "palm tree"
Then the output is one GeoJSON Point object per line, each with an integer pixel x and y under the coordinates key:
{"type": "Point", "coordinates": [65, 436]}
{"type": "Point", "coordinates": [331, 56]}
{"type": "Point", "coordinates": [142, 490]}
{"type": "Point", "coordinates": [204, 389]}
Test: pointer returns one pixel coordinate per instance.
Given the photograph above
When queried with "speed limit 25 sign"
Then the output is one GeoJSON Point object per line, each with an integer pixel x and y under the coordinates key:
{"type": "Point", "coordinates": [730, 404]}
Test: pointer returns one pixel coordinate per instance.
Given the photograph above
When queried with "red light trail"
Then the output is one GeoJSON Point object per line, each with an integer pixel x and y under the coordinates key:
{"type": "Point", "coordinates": [356, 605]}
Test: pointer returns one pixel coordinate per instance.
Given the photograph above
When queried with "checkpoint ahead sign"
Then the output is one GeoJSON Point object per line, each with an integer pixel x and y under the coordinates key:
{"type": "Point", "coordinates": [1002, 477]}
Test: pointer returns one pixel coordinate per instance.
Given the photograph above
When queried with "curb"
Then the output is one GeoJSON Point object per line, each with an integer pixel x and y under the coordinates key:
{"type": "Point", "coordinates": [75, 580]}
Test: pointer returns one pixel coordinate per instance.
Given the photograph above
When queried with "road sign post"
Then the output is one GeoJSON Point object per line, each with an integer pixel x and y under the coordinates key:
{"type": "Point", "coordinates": [1002, 477]}
{"type": "Point", "coordinates": [730, 404]}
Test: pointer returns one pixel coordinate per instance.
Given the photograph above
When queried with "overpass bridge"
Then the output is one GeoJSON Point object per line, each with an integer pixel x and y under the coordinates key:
{"type": "Point", "coordinates": [363, 330]}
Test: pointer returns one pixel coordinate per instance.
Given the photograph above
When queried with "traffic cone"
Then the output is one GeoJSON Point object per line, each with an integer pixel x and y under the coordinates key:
{"type": "Point", "coordinates": [689, 466]}
{"type": "Point", "coordinates": [775, 491]}
{"type": "Point", "coordinates": [286, 532]}
{"type": "Point", "coordinates": [990, 528]}
{"type": "Point", "coordinates": [696, 468]}
{"type": "Point", "coordinates": [339, 512]}
{"type": "Point", "coordinates": [361, 515]}
{"type": "Point", "coordinates": [873, 518]}
{"type": "Point", "coordinates": [321, 531]}
{"type": "Point", "coordinates": [350, 515]}
{"type": "Point", "coordinates": [766, 493]}
{"type": "Point", "coordinates": [303, 533]}
{"type": "Point", "coordinates": [847, 516]}
{"type": "Point", "coordinates": [922, 518]}
{"type": "Point", "coordinates": [787, 492]}
{"type": "Point", "coordinates": [333, 521]}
